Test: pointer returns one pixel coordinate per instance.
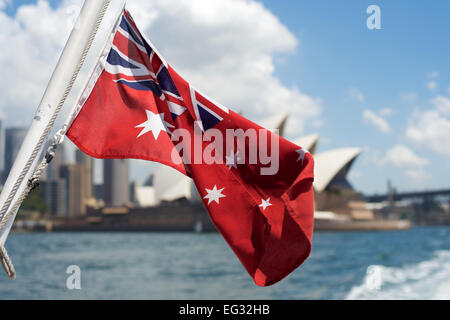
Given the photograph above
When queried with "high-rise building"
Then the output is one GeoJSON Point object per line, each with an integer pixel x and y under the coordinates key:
{"type": "Point", "coordinates": [98, 191]}
{"type": "Point", "coordinates": [133, 194]}
{"type": "Point", "coordinates": [13, 141]}
{"type": "Point", "coordinates": [116, 192]}
{"type": "Point", "coordinates": [74, 176]}
{"type": "Point", "coordinates": [88, 166]}
{"type": "Point", "coordinates": [55, 196]}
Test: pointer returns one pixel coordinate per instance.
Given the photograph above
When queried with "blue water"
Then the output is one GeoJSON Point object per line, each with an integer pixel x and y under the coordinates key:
{"type": "Point", "coordinates": [413, 264]}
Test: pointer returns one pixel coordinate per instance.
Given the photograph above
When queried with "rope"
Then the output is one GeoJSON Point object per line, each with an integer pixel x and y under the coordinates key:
{"type": "Point", "coordinates": [6, 263]}
{"type": "Point", "coordinates": [6, 211]}
{"type": "Point", "coordinates": [33, 182]}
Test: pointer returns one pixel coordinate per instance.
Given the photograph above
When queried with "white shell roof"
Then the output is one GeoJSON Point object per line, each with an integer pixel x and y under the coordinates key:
{"type": "Point", "coordinates": [328, 164]}
{"type": "Point", "coordinates": [277, 121]}
{"type": "Point", "coordinates": [170, 184]}
{"type": "Point", "coordinates": [145, 196]}
{"type": "Point", "coordinates": [308, 142]}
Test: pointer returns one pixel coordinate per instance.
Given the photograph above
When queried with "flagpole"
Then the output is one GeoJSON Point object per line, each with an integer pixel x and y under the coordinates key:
{"type": "Point", "coordinates": [54, 96]}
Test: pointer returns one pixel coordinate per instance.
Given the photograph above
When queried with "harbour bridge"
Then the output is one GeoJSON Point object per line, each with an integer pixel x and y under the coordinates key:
{"type": "Point", "coordinates": [415, 195]}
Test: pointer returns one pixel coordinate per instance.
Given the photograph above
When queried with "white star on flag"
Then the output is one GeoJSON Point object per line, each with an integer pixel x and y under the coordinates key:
{"type": "Point", "coordinates": [265, 203]}
{"type": "Point", "coordinates": [232, 159]}
{"type": "Point", "coordinates": [214, 194]}
{"type": "Point", "coordinates": [155, 123]}
{"type": "Point", "coordinates": [301, 154]}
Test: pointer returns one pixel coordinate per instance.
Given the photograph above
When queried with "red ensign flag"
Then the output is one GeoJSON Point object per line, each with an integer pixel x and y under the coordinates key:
{"type": "Point", "coordinates": [256, 186]}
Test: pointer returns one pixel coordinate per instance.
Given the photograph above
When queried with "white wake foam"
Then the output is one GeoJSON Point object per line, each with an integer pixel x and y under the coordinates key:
{"type": "Point", "coordinates": [429, 279]}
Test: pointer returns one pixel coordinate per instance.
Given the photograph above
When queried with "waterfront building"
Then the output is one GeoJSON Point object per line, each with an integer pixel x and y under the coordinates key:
{"type": "Point", "coordinates": [74, 176]}
{"type": "Point", "coordinates": [87, 163]}
{"type": "Point", "coordinates": [98, 191]}
{"type": "Point", "coordinates": [334, 195]}
{"type": "Point", "coordinates": [142, 195]}
{"type": "Point", "coordinates": [332, 167]}
{"type": "Point", "coordinates": [13, 141]}
{"type": "Point", "coordinates": [116, 192]}
{"type": "Point", "coordinates": [54, 192]}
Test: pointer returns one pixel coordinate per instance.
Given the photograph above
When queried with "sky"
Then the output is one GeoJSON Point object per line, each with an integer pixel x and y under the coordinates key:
{"type": "Point", "coordinates": [386, 91]}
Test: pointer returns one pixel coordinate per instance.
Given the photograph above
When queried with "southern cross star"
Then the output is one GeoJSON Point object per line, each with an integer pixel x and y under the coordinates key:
{"type": "Point", "coordinates": [265, 203]}
{"type": "Point", "coordinates": [155, 123]}
{"type": "Point", "coordinates": [214, 194]}
{"type": "Point", "coordinates": [232, 159]}
{"type": "Point", "coordinates": [301, 154]}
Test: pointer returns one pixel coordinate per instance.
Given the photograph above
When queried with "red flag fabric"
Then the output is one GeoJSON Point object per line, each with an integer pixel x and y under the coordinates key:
{"type": "Point", "coordinates": [255, 185]}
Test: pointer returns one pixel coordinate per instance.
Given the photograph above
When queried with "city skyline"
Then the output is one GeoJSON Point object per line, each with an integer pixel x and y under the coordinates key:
{"type": "Point", "coordinates": [67, 185]}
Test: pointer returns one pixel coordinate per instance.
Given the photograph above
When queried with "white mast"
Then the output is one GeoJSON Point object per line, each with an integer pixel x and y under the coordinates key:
{"type": "Point", "coordinates": [59, 86]}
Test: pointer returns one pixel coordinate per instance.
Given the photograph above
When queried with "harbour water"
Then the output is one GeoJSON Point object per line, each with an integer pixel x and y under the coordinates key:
{"type": "Point", "coordinates": [412, 264]}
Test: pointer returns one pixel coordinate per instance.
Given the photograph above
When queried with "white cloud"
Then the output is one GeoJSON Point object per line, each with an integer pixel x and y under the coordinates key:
{"type": "Point", "coordinates": [401, 156]}
{"type": "Point", "coordinates": [411, 164]}
{"type": "Point", "coordinates": [4, 4]}
{"type": "Point", "coordinates": [317, 124]}
{"type": "Point", "coordinates": [442, 104]}
{"type": "Point", "coordinates": [432, 85]}
{"type": "Point", "coordinates": [386, 112]}
{"type": "Point", "coordinates": [356, 94]}
{"type": "Point", "coordinates": [417, 174]}
{"type": "Point", "coordinates": [371, 157]}
{"type": "Point", "coordinates": [375, 120]}
{"type": "Point", "coordinates": [226, 48]}
{"type": "Point", "coordinates": [433, 75]}
{"type": "Point", "coordinates": [431, 130]}
{"type": "Point", "coordinates": [31, 42]}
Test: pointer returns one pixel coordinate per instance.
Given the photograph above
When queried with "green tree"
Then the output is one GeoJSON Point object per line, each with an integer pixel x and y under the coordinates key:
{"type": "Point", "coordinates": [34, 202]}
